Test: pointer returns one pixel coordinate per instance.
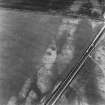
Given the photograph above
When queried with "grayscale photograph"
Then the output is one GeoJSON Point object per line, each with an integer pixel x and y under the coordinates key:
{"type": "Point", "coordinates": [52, 52]}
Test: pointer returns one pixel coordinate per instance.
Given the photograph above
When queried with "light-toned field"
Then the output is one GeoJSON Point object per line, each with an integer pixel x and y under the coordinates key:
{"type": "Point", "coordinates": [24, 38]}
